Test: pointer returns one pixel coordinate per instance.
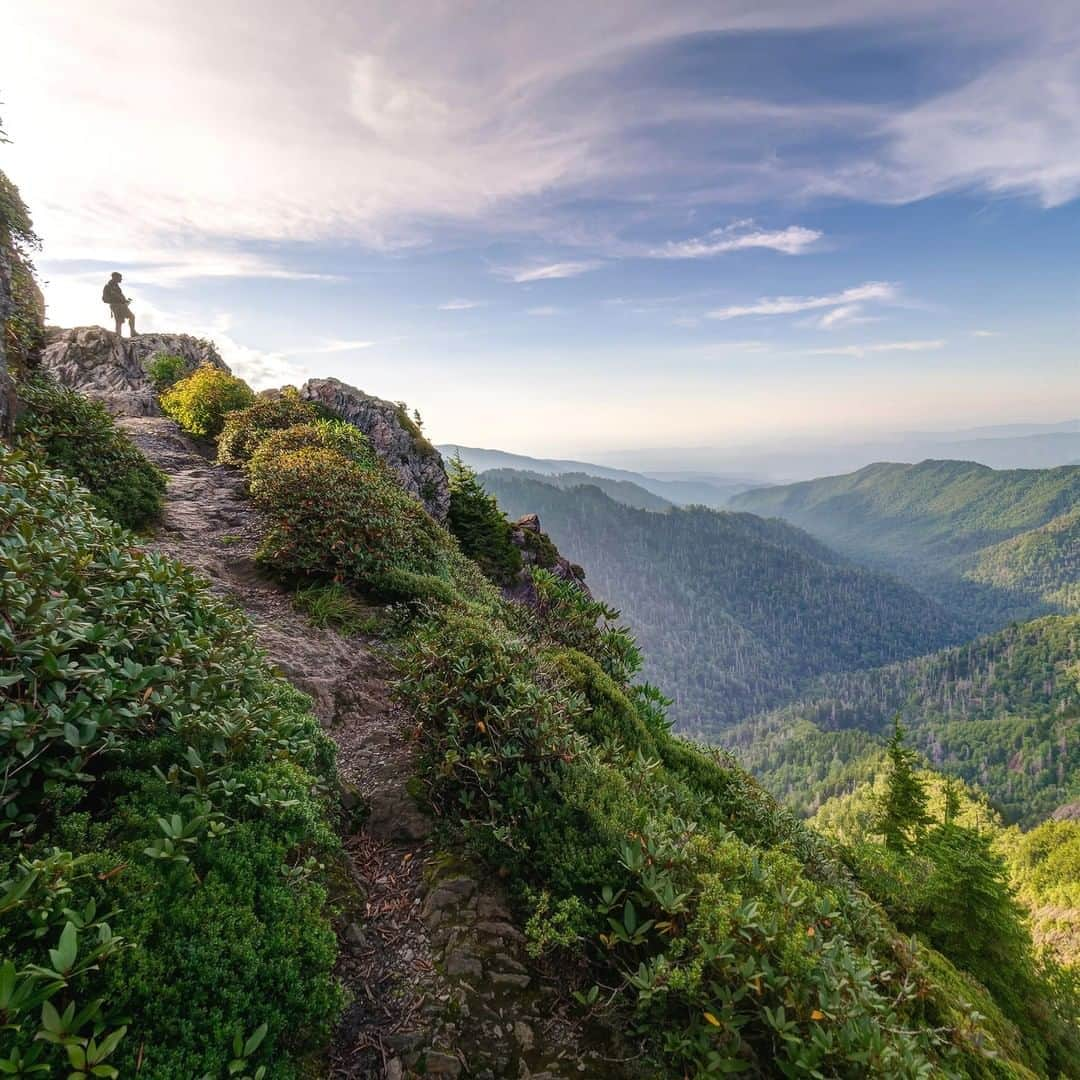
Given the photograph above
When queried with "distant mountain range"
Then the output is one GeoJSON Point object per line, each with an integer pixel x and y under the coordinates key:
{"type": "Point", "coordinates": [734, 613]}
{"type": "Point", "coordinates": [992, 545]}
{"type": "Point", "coordinates": [677, 488]}
{"type": "Point", "coordinates": [1009, 446]}
{"type": "Point", "coordinates": [1001, 711]}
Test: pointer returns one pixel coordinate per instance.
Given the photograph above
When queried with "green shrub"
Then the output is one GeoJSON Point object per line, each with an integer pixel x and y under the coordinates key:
{"type": "Point", "coordinates": [245, 429]}
{"type": "Point", "coordinates": [77, 436]}
{"type": "Point", "coordinates": [337, 511]}
{"type": "Point", "coordinates": [481, 527]}
{"type": "Point", "coordinates": [333, 606]}
{"type": "Point", "coordinates": [164, 370]}
{"type": "Point", "coordinates": [164, 813]}
{"type": "Point", "coordinates": [200, 402]}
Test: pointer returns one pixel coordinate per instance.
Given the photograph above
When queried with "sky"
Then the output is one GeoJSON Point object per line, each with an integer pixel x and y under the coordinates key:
{"type": "Point", "coordinates": [566, 228]}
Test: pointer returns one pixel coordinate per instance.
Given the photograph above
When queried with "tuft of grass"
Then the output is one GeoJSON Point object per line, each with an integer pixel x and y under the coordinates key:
{"type": "Point", "coordinates": [333, 607]}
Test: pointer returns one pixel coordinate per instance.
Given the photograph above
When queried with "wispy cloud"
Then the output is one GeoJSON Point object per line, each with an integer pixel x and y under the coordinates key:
{"type": "Point", "coordinates": [741, 236]}
{"type": "Point", "coordinates": [985, 333]}
{"type": "Point", "coordinates": [460, 305]}
{"type": "Point", "coordinates": [871, 291]}
{"type": "Point", "coordinates": [878, 347]}
{"type": "Point", "coordinates": [544, 310]}
{"type": "Point", "coordinates": [549, 271]}
{"type": "Point", "coordinates": [845, 315]}
{"type": "Point", "coordinates": [333, 346]}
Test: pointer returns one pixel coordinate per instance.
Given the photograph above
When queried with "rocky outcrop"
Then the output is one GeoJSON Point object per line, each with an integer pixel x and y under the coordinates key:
{"type": "Point", "coordinates": [538, 549]}
{"type": "Point", "coordinates": [7, 306]}
{"type": "Point", "coordinates": [112, 369]}
{"type": "Point", "coordinates": [22, 321]}
{"type": "Point", "coordinates": [394, 437]}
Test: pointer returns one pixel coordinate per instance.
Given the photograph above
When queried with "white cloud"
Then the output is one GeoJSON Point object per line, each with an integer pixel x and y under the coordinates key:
{"type": "Point", "coordinates": [845, 315]}
{"type": "Point", "coordinates": [333, 346]}
{"type": "Point", "coordinates": [878, 291]}
{"type": "Point", "coordinates": [985, 333]}
{"type": "Point", "coordinates": [879, 347]}
{"type": "Point", "coordinates": [460, 305]}
{"type": "Point", "coordinates": [544, 310]}
{"type": "Point", "coordinates": [794, 240]}
{"type": "Point", "coordinates": [550, 271]}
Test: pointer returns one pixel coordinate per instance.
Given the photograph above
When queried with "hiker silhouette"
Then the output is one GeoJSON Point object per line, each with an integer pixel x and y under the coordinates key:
{"type": "Point", "coordinates": [118, 303]}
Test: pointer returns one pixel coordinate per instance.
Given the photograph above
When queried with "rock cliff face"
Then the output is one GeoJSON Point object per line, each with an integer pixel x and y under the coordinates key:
{"type": "Point", "coordinates": [538, 549]}
{"type": "Point", "coordinates": [112, 369]}
{"type": "Point", "coordinates": [21, 301]}
{"type": "Point", "coordinates": [394, 437]}
{"type": "Point", "coordinates": [7, 305]}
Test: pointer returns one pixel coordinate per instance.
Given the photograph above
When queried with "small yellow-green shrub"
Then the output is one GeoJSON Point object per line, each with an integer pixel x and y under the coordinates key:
{"type": "Point", "coordinates": [245, 429]}
{"type": "Point", "coordinates": [200, 402]}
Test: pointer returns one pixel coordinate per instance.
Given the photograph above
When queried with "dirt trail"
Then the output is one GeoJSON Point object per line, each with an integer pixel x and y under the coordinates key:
{"type": "Point", "coordinates": [438, 975]}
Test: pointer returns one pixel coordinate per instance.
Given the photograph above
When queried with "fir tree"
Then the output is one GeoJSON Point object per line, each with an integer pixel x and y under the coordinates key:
{"type": "Point", "coordinates": [902, 812]}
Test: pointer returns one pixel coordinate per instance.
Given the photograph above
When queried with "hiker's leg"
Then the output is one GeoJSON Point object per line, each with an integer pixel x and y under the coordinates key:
{"type": "Point", "coordinates": [119, 325]}
{"type": "Point", "coordinates": [131, 324]}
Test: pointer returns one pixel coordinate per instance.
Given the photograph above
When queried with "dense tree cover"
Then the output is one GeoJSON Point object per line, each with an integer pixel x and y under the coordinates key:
{"type": "Point", "coordinates": [623, 491]}
{"type": "Point", "coordinates": [734, 612]}
{"type": "Point", "coordinates": [1000, 712]}
{"type": "Point", "coordinates": [945, 526]}
{"type": "Point", "coordinates": [162, 816]}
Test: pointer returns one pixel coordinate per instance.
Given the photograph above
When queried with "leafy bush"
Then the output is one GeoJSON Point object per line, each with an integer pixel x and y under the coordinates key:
{"type": "Point", "coordinates": [337, 511]}
{"type": "Point", "coordinates": [164, 370]}
{"type": "Point", "coordinates": [480, 526]}
{"type": "Point", "coordinates": [246, 428]}
{"type": "Point", "coordinates": [164, 813]}
{"type": "Point", "coordinates": [77, 436]}
{"type": "Point", "coordinates": [200, 402]}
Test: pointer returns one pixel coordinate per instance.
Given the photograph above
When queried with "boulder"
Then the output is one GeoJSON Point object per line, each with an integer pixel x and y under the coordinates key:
{"type": "Point", "coordinates": [393, 436]}
{"type": "Point", "coordinates": [112, 369]}
{"type": "Point", "coordinates": [538, 549]}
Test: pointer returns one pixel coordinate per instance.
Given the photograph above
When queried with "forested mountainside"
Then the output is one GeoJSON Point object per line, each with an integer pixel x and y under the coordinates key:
{"type": "Point", "coordinates": [992, 545]}
{"type": "Point", "coordinates": [1002, 712]}
{"type": "Point", "coordinates": [734, 611]}
{"type": "Point", "coordinates": [622, 491]}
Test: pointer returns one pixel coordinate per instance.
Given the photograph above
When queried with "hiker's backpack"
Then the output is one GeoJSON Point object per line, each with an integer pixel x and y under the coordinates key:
{"type": "Point", "coordinates": [105, 294]}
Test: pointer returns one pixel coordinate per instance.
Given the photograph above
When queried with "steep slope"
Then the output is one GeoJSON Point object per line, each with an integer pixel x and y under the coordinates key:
{"type": "Point", "coordinates": [734, 612]}
{"type": "Point", "coordinates": [935, 524]}
{"type": "Point", "coordinates": [1003, 712]}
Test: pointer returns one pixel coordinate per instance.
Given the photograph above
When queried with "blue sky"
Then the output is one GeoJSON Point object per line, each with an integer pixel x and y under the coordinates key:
{"type": "Point", "coordinates": [567, 228]}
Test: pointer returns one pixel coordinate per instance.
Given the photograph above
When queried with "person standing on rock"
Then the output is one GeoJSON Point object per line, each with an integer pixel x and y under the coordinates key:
{"type": "Point", "coordinates": [118, 303]}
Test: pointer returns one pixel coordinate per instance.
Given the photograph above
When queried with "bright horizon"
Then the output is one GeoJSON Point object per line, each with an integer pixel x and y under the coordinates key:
{"type": "Point", "coordinates": [577, 230]}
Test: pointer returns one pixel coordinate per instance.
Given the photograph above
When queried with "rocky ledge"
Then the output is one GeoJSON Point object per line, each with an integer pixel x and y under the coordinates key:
{"type": "Point", "coordinates": [394, 437]}
{"type": "Point", "coordinates": [112, 369]}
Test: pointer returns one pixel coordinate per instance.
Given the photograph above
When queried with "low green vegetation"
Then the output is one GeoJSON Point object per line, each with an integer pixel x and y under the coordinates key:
{"type": "Point", "coordinates": [77, 436]}
{"type": "Point", "coordinates": [734, 613]}
{"type": "Point", "coordinates": [999, 712]}
{"type": "Point", "coordinates": [200, 402]}
{"type": "Point", "coordinates": [165, 370]}
{"type": "Point", "coordinates": [334, 607]}
{"type": "Point", "coordinates": [480, 526]}
{"type": "Point", "coordinates": [245, 429]}
{"type": "Point", "coordinates": [164, 814]}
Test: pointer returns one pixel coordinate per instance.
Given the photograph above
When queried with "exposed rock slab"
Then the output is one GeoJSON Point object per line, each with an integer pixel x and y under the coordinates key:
{"type": "Point", "coordinates": [394, 437]}
{"type": "Point", "coordinates": [112, 369]}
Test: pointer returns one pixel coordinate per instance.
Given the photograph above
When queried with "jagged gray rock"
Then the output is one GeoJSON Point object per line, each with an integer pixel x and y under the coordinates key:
{"type": "Point", "coordinates": [102, 365]}
{"type": "Point", "coordinates": [538, 549]}
{"type": "Point", "coordinates": [394, 437]}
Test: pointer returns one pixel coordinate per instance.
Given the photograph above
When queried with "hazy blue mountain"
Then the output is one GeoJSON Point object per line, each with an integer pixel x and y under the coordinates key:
{"type": "Point", "coordinates": [734, 612]}
{"type": "Point", "coordinates": [623, 491]}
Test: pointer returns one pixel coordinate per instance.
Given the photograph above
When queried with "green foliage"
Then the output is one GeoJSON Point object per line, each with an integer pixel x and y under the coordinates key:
{"type": "Point", "coordinates": [163, 813]}
{"type": "Point", "coordinates": [480, 526]}
{"type": "Point", "coordinates": [333, 606]}
{"type": "Point", "coordinates": [993, 544]}
{"type": "Point", "coordinates": [998, 712]}
{"type": "Point", "coordinates": [164, 370]}
{"type": "Point", "coordinates": [902, 812]}
{"type": "Point", "coordinates": [733, 613]}
{"type": "Point", "coordinates": [200, 402]}
{"type": "Point", "coordinates": [338, 512]}
{"type": "Point", "coordinates": [719, 925]}
{"type": "Point", "coordinates": [246, 429]}
{"type": "Point", "coordinates": [22, 329]}
{"type": "Point", "coordinates": [76, 435]}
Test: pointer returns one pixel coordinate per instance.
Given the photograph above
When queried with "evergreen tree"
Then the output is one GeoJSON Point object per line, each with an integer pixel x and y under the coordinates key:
{"type": "Point", "coordinates": [952, 800]}
{"type": "Point", "coordinates": [480, 526]}
{"type": "Point", "coordinates": [901, 815]}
